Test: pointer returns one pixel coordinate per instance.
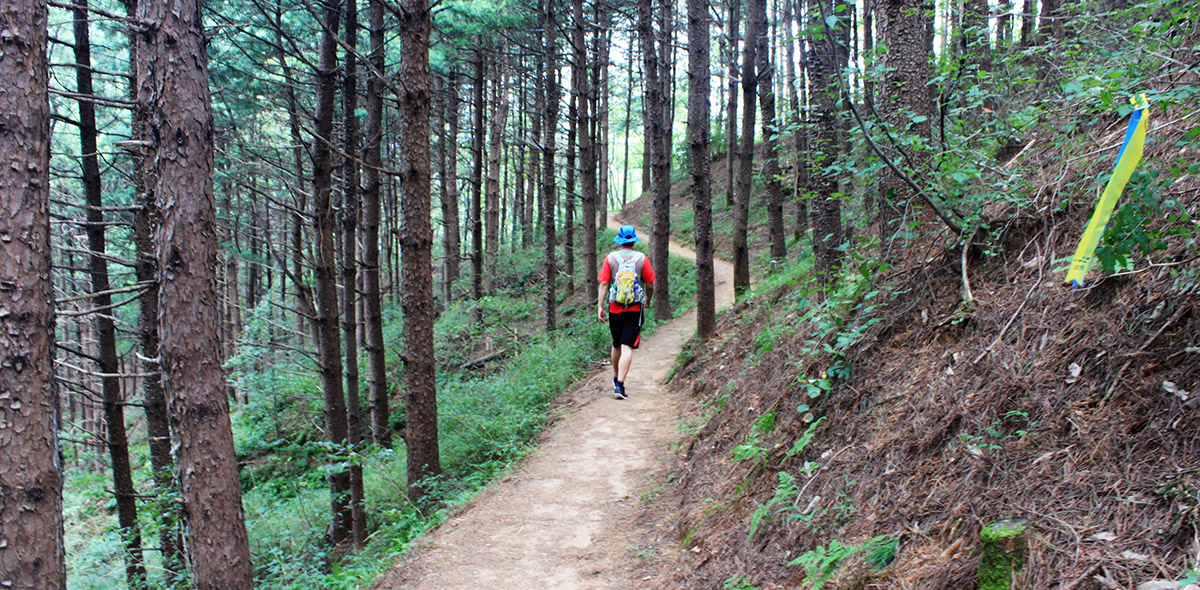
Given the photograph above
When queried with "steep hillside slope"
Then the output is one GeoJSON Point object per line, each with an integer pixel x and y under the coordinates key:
{"type": "Point", "coordinates": [864, 439]}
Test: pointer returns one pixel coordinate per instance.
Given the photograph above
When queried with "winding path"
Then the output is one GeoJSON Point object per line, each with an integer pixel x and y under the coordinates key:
{"type": "Point", "coordinates": [564, 520]}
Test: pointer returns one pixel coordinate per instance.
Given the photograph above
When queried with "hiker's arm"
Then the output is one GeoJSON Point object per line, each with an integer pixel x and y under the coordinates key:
{"type": "Point", "coordinates": [649, 292]}
{"type": "Point", "coordinates": [600, 301]}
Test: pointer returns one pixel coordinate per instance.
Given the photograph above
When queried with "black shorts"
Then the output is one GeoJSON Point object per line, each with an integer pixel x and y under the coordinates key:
{"type": "Point", "coordinates": [626, 328]}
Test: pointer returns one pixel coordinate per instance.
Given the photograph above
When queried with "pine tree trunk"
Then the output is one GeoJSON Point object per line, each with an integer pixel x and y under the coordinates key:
{"type": "Point", "coordinates": [416, 241]}
{"type": "Point", "coordinates": [828, 57]}
{"type": "Point", "coordinates": [587, 156]}
{"type": "Point", "coordinates": [494, 153]}
{"type": "Point", "coordinates": [600, 106]}
{"type": "Point", "coordinates": [158, 432]}
{"type": "Point", "coordinates": [350, 215]}
{"type": "Point", "coordinates": [627, 129]}
{"type": "Point", "coordinates": [106, 334]}
{"type": "Point", "coordinates": [32, 529]}
{"type": "Point", "coordinates": [660, 216]}
{"type": "Point", "coordinates": [1051, 19]}
{"type": "Point", "coordinates": [868, 20]}
{"type": "Point", "coordinates": [549, 147]}
{"type": "Point", "coordinates": [570, 188]}
{"type": "Point", "coordinates": [476, 214]}
{"type": "Point", "coordinates": [253, 272]}
{"type": "Point", "coordinates": [520, 221]}
{"type": "Point", "coordinates": [1029, 13]}
{"type": "Point", "coordinates": [535, 132]}
{"type": "Point", "coordinates": [229, 288]}
{"type": "Point", "coordinates": [450, 218]}
{"type": "Point", "coordinates": [186, 250]}
{"type": "Point", "coordinates": [741, 248]}
{"type": "Point", "coordinates": [799, 127]}
{"type": "Point", "coordinates": [904, 101]}
{"type": "Point", "coordinates": [329, 346]}
{"type": "Point", "coordinates": [732, 155]}
{"type": "Point", "coordinates": [377, 386]}
{"type": "Point", "coordinates": [654, 112]}
{"type": "Point", "coordinates": [701, 160]}
{"type": "Point", "coordinates": [770, 131]}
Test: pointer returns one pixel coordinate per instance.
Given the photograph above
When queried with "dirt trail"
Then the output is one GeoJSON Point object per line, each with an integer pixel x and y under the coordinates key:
{"type": "Point", "coordinates": [564, 519]}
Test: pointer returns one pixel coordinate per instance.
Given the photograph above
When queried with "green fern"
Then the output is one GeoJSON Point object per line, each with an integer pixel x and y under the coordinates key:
{"type": "Point", "coordinates": [784, 490]}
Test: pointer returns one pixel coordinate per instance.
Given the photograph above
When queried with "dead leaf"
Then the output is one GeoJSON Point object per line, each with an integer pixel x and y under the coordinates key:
{"type": "Point", "coordinates": [1075, 371]}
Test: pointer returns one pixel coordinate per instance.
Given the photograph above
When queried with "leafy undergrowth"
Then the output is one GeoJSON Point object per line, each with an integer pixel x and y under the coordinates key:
{"type": "Point", "coordinates": [865, 437]}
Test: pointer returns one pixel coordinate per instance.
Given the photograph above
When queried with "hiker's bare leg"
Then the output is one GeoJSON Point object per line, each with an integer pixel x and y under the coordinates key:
{"type": "Point", "coordinates": [616, 360]}
{"type": "Point", "coordinates": [626, 357]}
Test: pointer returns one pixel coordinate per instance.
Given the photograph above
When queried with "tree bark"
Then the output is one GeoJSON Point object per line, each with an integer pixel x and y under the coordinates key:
{"type": "Point", "coordinates": [829, 56]}
{"type": "Point", "coordinates": [377, 386]}
{"type": "Point", "coordinates": [904, 99]}
{"type": "Point", "coordinates": [253, 272]}
{"type": "Point", "coordinates": [655, 147]}
{"type": "Point", "coordinates": [770, 131]}
{"type": "Point", "coordinates": [600, 106]}
{"type": "Point", "coordinates": [535, 133]}
{"type": "Point", "coordinates": [520, 196]}
{"type": "Point", "coordinates": [732, 154]}
{"type": "Point", "coordinates": [158, 430]}
{"type": "Point", "coordinates": [660, 216]}
{"type": "Point", "coordinates": [799, 126]}
{"type": "Point", "coordinates": [416, 242]}
{"type": "Point", "coordinates": [106, 334]}
{"type": "Point", "coordinates": [329, 346]}
{"type": "Point", "coordinates": [549, 198]}
{"type": "Point", "coordinates": [476, 215]}
{"type": "Point", "coordinates": [1029, 13]}
{"type": "Point", "coordinates": [350, 216]}
{"type": "Point", "coordinates": [587, 156]}
{"type": "Point", "coordinates": [450, 219]}
{"type": "Point", "coordinates": [741, 248]}
{"type": "Point", "coordinates": [868, 20]}
{"type": "Point", "coordinates": [172, 69]}
{"type": "Point", "coordinates": [495, 150]}
{"type": "Point", "coordinates": [628, 128]}
{"type": "Point", "coordinates": [1051, 19]}
{"type": "Point", "coordinates": [976, 42]}
{"type": "Point", "coordinates": [31, 513]}
{"type": "Point", "coordinates": [701, 159]}
{"type": "Point", "coordinates": [570, 188]}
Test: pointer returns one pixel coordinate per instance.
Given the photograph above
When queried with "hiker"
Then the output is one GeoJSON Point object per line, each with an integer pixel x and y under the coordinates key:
{"type": "Point", "coordinates": [626, 285]}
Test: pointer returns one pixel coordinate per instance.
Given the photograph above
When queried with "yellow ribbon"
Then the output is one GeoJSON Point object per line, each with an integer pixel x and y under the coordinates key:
{"type": "Point", "coordinates": [1127, 160]}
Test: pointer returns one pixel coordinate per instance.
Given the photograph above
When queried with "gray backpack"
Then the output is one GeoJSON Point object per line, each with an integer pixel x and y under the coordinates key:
{"type": "Point", "coordinates": [625, 287]}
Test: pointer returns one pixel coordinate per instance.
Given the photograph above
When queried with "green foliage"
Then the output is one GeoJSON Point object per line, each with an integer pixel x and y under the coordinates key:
{"type": "Point", "coordinates": [883, 553]}
{"type": "Point", "coordinates": [802, 442]}
{"type": "Point", "coordinates": [823, 562]}
{"type": "Point", "coordinates": [467, 24]}
{"type": "Point", "coordinates": [1145, 220]}
{"type": "Point", "coordinates": [1013, 425]}
{"type": "Point", "coordinates": [737, 582]}
{"type": "Point", "coordinates": [785, 490]}
{"type": "Point", "coordinates": [754, 447]}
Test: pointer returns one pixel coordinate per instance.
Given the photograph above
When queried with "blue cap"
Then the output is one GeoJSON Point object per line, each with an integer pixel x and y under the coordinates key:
{"type": "Point", "coordinates": [626, 235]}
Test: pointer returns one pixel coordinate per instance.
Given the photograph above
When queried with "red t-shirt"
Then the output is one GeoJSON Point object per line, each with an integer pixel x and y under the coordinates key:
{"type": "Point", "coordinates": [606, 276]}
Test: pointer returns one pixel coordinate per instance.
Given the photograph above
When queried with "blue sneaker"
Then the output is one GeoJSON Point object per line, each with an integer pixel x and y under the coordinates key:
{"type": "Point", "coordinates": [619, 389]}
